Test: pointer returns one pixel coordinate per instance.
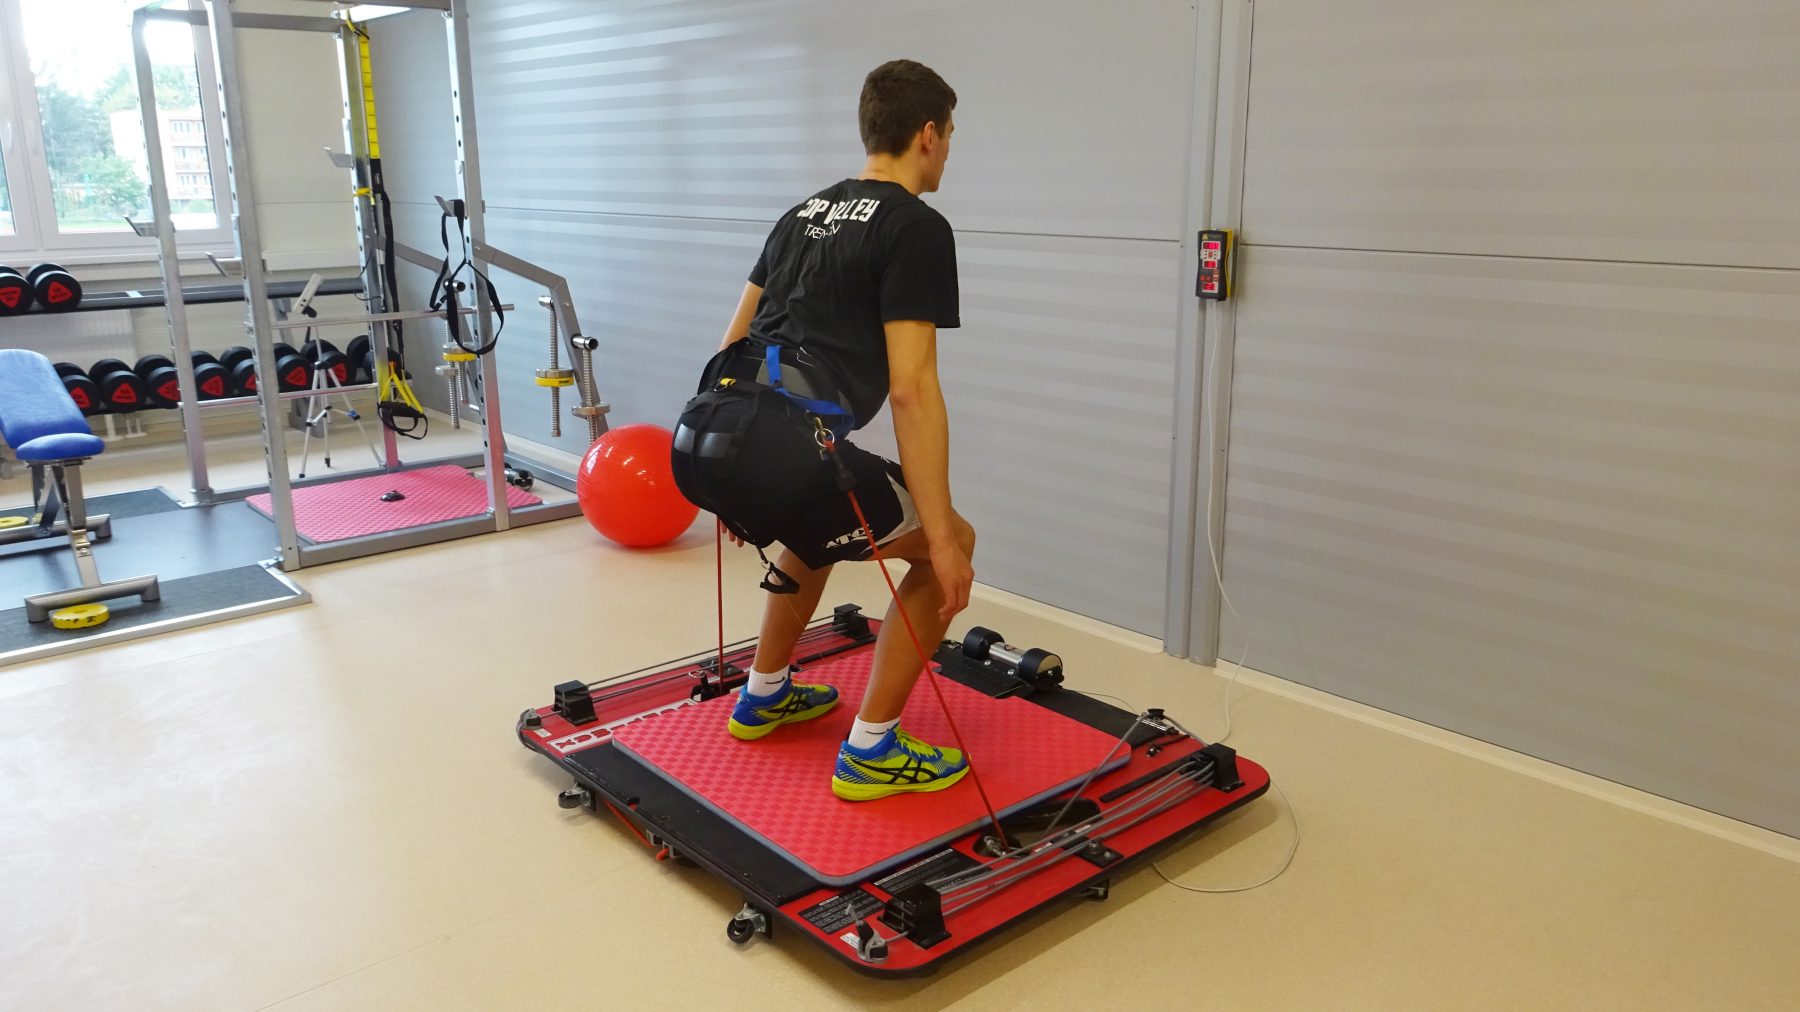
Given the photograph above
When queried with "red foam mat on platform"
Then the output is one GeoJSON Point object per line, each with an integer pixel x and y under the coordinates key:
{"type": "Point", "coordinates": [779, 788]}
{"type": "Point", "coordinates": [354, 508]}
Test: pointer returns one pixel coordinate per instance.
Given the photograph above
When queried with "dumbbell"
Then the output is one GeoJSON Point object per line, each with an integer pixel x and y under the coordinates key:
{"type": "Point", "coordinates": [158, 374]}
{"type": "Point", "coordinates": [16, 295]}
{"type": "Point", "coordinates": [56, 289]}
{"type": "Point", "coordinates": [210, 376]}
{"type": "Point", "coordinates": [81, 387]}
{"type": "Point", "coordinates": [1034, 667]}
{"type": "Point", "coordinates": [362, 360]}
{"type": "Point", "coordinates": [292, 368]}
{"type": "Point", "coordinates": [325, 355]}
{"type": "Point", "coordinates": [239, 363]}
{"type": "Point", "coordinates": [121, 388]}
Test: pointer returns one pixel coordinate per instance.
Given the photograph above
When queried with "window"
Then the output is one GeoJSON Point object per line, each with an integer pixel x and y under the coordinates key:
{"type": "Point", "coordinates": [73, 163]}
{"type": "Point", "coordinates": [6, 222]}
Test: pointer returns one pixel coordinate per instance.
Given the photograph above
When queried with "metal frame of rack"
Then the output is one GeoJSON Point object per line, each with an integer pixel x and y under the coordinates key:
{"type": "Point", "coordinates": [223, 24]}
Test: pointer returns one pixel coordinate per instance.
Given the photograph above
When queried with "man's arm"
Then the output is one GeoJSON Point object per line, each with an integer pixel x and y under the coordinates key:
{"type": "Point", "coordinates": [922, 428]}
{"type": "Point", "coordinates": [921, 424]}
{"type": "Point", "coordinates": [739, 327]}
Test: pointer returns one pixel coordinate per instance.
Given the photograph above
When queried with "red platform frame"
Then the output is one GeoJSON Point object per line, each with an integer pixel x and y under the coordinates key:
{"type": "Point", "coordinates": [609, 778]}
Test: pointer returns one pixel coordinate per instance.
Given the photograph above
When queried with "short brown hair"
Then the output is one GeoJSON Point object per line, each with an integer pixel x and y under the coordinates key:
{"type": "Point", "coordinates": [898, 99]}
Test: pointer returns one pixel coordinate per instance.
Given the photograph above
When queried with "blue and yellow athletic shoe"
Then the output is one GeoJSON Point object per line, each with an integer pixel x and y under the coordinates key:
{"type": "Point", "coordinates": [756, 716]}
{"type": "Point", "coordinates": [898, 764]}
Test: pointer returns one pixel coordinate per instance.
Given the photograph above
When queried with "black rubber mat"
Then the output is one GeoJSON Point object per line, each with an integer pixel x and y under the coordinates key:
{"type": "Point", "coordinates": [119, 505]}
{"type": "Point", "coordinates": [181, 598]}
{"type": "Point", "coordinates": [171, 544]}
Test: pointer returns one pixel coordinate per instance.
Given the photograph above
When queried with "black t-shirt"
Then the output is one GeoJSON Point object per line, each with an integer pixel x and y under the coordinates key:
{"type": "Point", "coordinates": [835, 268]}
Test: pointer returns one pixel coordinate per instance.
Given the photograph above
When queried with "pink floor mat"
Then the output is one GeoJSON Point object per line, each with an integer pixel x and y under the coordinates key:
{"type": "Point", "coordinates": [354, 508]}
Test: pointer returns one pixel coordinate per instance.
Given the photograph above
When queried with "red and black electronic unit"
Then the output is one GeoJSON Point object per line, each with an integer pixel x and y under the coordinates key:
{"type": "Point", "coordinates": [1084, 791]}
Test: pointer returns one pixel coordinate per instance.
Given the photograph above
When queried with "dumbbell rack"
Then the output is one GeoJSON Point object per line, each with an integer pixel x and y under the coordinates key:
{"type": "Point", "coordinates": [224, 22]}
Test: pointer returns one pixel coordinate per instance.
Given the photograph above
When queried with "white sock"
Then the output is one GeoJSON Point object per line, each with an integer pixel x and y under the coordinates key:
{"type": "Point", "coordinates": [865, 736]}
{"type": "Point", "coordinates": [766, 683]}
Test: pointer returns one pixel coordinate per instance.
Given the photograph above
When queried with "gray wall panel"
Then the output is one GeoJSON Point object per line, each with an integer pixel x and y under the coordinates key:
{"type": "Point", "coordinates": [1644, 130]}
{"type": "Point", "coordinates": [1553, 505]}
{"type": "Point", "coordinates": [1071, 116]}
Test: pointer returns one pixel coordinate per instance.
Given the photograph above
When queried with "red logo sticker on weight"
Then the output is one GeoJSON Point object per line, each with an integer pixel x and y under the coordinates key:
{"type": "Point", "coordinates": [81, 398]}
{"type": "Point", "coordinates": [250, 382]}
{"type": "Point", "coordinates": [60, 292]}
{"type": "Point", "coordinates": [169, 391]}
{"type": "Point", "coordinates": [124, 395]}
{"type": "Point", "coordinates": [214, 386]}
{"type": "Point", "coordinates": [341, 372]}
{"type": "Point", "coordinates": [296, 377]}
{"type": "Point", "coordinates": [9, 297]}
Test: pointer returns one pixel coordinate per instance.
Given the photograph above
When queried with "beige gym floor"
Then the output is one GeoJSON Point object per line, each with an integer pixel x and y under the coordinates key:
{"type": "Point", "coordinates": [325, 808]}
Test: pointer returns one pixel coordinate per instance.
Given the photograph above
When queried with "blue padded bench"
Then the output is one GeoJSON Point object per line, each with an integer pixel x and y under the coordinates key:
{"type": "Point", "coordinates": [45, 429]}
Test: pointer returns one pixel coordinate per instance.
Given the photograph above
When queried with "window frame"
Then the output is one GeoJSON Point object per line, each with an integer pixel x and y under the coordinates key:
{"type": "Point", "coordinates": [37, 235]}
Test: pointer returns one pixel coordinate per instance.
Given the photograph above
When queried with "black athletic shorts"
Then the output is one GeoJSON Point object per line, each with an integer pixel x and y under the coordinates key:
{"type": "Point", "coordinates": [824, 529]}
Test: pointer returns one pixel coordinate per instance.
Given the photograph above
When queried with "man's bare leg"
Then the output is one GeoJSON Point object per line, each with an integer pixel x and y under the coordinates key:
{"type": "Point", "coordinates": [897, 665]}
{"type": "Point", "coordinates": [785, 615]}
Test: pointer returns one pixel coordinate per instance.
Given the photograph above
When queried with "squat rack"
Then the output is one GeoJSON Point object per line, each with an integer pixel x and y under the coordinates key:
{"type": "Point", "coordinates": [223, 23]}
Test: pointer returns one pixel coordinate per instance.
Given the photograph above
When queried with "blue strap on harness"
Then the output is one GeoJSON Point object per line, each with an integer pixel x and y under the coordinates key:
{"type": "Point", "coordinates": [838, 420]}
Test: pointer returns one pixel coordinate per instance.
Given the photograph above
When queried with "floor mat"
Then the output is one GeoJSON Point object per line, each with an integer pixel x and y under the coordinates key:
{"type": "Point", "coordinates": [354, 508]}
{"type": "Point", "coordinates": [187, 601]}
{"type": "Point", "coordinates": [119, 505]}
{"type": "Point", "coordinates": [778, 788]}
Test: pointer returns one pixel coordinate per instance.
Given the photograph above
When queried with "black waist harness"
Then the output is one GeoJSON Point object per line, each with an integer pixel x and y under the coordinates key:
{"type": "Point", "coordinates": [754, 442]}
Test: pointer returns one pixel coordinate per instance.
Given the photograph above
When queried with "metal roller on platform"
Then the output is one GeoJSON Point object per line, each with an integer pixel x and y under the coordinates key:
{"type": "Point", "coordinates": [1036, 667]}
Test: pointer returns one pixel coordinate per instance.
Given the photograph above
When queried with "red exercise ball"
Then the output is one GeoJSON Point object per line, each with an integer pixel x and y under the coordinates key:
{"type": "Point", "coordinates": [627, 489]}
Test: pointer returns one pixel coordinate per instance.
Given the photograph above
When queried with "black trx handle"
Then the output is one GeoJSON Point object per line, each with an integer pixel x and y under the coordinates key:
{"type": "Point", "coordinates": [444, 289]}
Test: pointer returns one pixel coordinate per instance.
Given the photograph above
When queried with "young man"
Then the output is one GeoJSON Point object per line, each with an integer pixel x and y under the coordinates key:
{"type": "Point", "coordinates": [851, 289]}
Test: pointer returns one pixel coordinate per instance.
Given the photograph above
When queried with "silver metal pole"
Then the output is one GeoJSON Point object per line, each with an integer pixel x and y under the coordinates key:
{"type": "Point", "coordinates": [592, 408]}
{"type": "Point", "coordinates": [258, 314]}
{"type": "Point", "coordinates": [468, 170]}
{"type": "Point", "coordinates": [168, 260]}
{"type": "Point", "coordinates": [1220, 333]}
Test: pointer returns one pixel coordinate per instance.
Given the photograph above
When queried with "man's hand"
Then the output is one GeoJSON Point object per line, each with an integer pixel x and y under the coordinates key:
{"type": "Point", "coordinates": [954, 574]}
{"type": "Point", "coordinates": [733, 538]}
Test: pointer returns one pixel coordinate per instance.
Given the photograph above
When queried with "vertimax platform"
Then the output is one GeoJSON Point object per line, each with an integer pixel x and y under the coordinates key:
{"type": "Point", "coordinates": [893, 887]}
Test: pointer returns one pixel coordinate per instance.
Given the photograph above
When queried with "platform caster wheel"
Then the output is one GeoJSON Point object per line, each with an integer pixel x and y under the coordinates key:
{"type": "Point", "coordinates": [575, 797]}
{"type": "Point", "coordinates": [1098, 891]}
{"type": "Point", "coordinates": [746, 924]}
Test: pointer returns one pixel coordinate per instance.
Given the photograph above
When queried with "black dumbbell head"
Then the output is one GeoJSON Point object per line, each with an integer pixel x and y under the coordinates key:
{"type": "Point", "coordinates": [976, 643]}
{"type": "Point", "coordinates": [150, 363]}
{"type": "Point", "coordinates": [334, 362]}
{"type": "Point", "coordinates": [211, 378]}
{"type": "Point", "coordinates": [235, 354]}
{"type": "Point", "coordinates": [158, 373]}
{"type": "Point", "coordinates": [362, 360]}
{"type": "Point", "coordinates": [56, 289]}
{"type": "Point", "coordinates": [243, 377]}
{"type": "Point", "coordinates": [16, 295]}
{"type": "Point", "coordinates": [121, 389]}
{"type": "Point", "coordinates": [294, 372]}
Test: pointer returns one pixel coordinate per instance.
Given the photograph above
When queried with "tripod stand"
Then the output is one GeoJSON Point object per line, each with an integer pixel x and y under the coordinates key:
{"type": "Point", "coordinates": [325, 387]}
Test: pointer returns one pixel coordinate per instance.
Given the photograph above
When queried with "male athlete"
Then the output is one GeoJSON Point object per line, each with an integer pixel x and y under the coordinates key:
{"type": "Point", "coordinates": [851, 288]}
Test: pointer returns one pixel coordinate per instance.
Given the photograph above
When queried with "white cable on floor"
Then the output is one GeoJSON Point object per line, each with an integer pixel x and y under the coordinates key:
{"type": "Point", "coordinates": [1293, 849]}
